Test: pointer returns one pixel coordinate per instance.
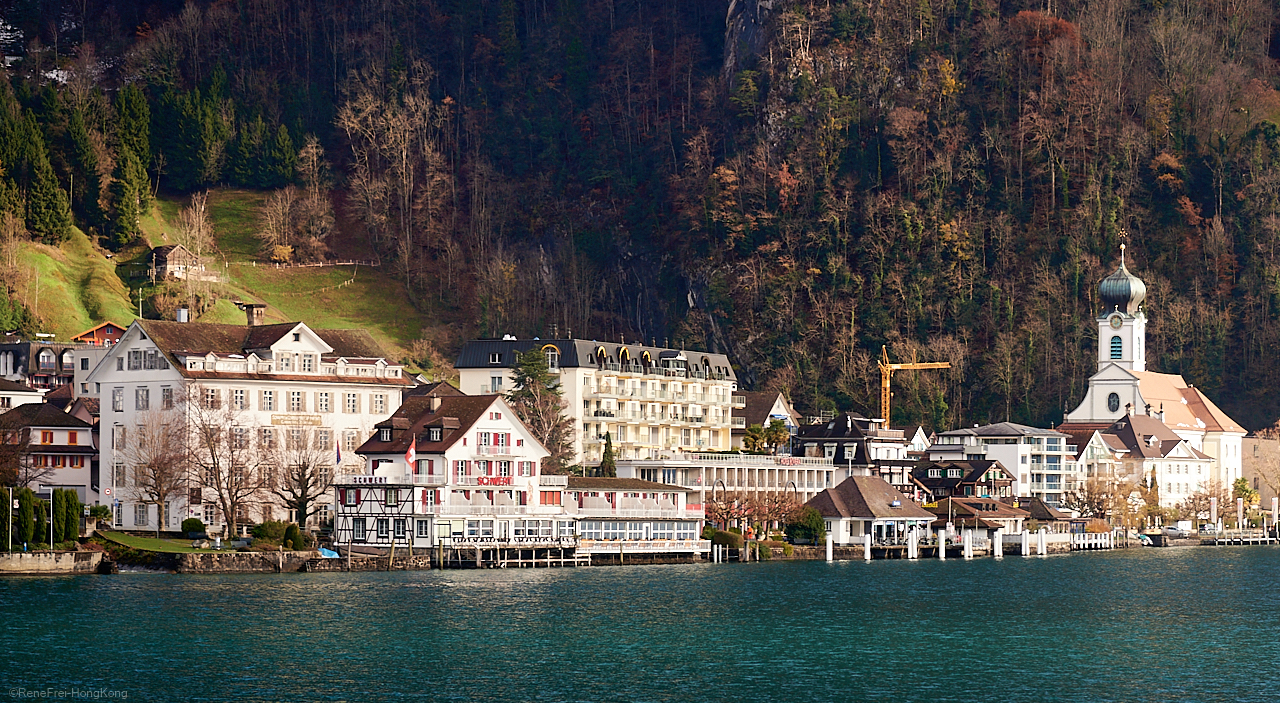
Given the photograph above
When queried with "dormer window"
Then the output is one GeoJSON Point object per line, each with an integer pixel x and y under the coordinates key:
{"type": "Point", "coordinates": [384, 434]}
{"type": "Point", "coordinates": [935, 473]}
{"type": "Point", "coordinates": [308, 363]}
{"type": "Point", "coordinates": [286, 362]}
{"type": "Point", "coordinates": [434, 434]}
{"type": "Point", "coordinates": [495, 357]}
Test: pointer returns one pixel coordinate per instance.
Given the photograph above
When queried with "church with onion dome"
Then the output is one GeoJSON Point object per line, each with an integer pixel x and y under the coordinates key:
{"type": "Point", "coordinates": [1123, 388]}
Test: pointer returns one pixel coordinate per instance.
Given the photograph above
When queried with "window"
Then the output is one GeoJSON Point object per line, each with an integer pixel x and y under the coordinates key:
{"type": "Point", "coordinates": [140, 514]}
{"type": "Point", "coordinates": [68, 360]}
{"type": "Point", "coordinates": [295, 402]}
{"type": "Point", "coordinates": [549, 497]}
{"type": "Point", "coordinates": [383, 527]}
{"type": "Point", "coordinates": [117, 400]}
{"type": "Point", "coordinates": [119, 439]}
{"type": "Point", "coordinates": [166, 398]}
{"type": "Point", "coordinates": [495, 384]}
{"type": "Point", "coordinates": [297, 438]}
{"type": "Point", "coordinates": [504, 468]}
{"type": "Point", "coordinates": [352, 402]}
{"type": "Point", "coordinates": [434, 434]}
{"type": "Point", "coordinates": [379, 403]}
{"type": "Point", "coordinates": [211, 399]}
{"type": "Point", "coordinates": [239, 438]}
{"type": "Point", "coordinates": [495, 357]}
{"type": "Point", "coordinates": [286, 362]}
{"type": "Point", "coordinates": [268, 401]}
{"type": "Point", "coordinates": [384, 434]}
{"type": "Point", "coordinates": [46, 437]}
{"type": "Point", "coordinates": [1117, 348]}
{"type": "Point", "coordinates": [297, 336]}
{"type": "Point", "coordinates": [268, 437]}
{"type": "Point", "coordinates": [349, 440]}
{"type": "Point", "coordinates": [324, 439]}
{"type": "Point", "coordinates": [1113, 402]}
{"type": "Point", "coordinates": [553, 359]}
{"type": "Point", "coordinates": [238, 400]}
{"type": "Point", "coordinates": [84, 364]}
{"type": "Point", "coordinates": [357, 529]}
{"type": "Point", "coordinates": [400, 528]}
{"type": "Point", "coordinates": [393, 497]}
{"type": "Point", "coordinates": [308, 363]}
{"type": "Point", "coordinates": [142, 399]}
{"type": "Point", "coordinates": [424, 528]}
{"type": "Point", "coordinates": [322, 402]}
{"type": "Point", "coordinates": [46, 360]}
{"type": "Point", "coordinates": [119, 366]}
{"type": "Point", "coordinates": [350, 497]}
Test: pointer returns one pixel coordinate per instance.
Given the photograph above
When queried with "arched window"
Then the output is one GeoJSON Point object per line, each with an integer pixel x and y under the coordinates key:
{"type": "Point", "coordinates": [1113, 402]}
{"type": "Point", "coordinates": [553, 357]}
{"type": "Point", "coordinates": [68, 360]}
{"type": "Point", "coordinates": [1117, 348]}
{"type": "Point", "coordinates": [46, 359]}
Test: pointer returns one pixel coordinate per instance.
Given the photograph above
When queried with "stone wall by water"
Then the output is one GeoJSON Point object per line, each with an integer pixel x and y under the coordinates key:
{"type": "Point", "coordinates": [418, 562]}
{"type": "Point", "coordinates": [50, 562]}
{"type": "Point", "coordinates": [243, 562]}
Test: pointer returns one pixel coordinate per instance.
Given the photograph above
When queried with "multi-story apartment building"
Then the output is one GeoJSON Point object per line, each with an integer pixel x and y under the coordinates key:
{"type": "Point", "coordinates": [281, 385]}
{"type": "Point", "coordinates": [1042, 463]}
{"type": "Point", "coordinates": [650, 401]}
{"type": "Point", "coordinates": [56, 450]}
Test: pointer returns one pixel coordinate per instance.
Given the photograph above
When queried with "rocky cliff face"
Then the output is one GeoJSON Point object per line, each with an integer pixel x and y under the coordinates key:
{"type": "Point", "coordinates": [745, 33]}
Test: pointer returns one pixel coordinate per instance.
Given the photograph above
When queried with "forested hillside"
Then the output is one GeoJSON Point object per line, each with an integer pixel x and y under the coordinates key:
{"type": "Point", "coordinates": [794, 183]}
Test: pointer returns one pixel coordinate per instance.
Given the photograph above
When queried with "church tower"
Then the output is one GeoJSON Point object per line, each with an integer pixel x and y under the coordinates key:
{"type": "Point", "coordinates": [1122, 325]}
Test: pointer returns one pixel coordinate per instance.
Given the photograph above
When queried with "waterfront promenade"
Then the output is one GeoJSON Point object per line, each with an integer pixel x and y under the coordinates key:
{"type": "Point", "coordinates": [1125, 625]}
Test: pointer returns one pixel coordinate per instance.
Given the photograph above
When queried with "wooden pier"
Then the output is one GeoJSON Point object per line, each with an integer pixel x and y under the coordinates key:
{"type": "Point", "coordinates": [1238, 538]}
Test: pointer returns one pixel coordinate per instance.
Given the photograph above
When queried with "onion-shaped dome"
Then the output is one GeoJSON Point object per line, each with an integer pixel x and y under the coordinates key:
{"type": "Point", "coordinates": [1122, 291]}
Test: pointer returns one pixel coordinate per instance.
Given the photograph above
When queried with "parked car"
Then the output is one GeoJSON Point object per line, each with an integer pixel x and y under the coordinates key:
{"type": "Point", "coordinates": [1176, 533]}
{"type": "Point", "coordinates": [1208, 529]}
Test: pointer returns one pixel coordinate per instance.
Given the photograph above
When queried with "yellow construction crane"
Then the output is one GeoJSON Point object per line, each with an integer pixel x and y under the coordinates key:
{"type": "Point", "coordinates": [886, 376]}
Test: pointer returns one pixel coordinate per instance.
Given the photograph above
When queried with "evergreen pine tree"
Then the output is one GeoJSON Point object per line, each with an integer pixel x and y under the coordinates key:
{"type": "Point", "coordinates": [281, 159]}
{"type": "Point", "coordinates": [24, 523]}
{"type": "Point", "coordinates": [88, 188]}
{"type": "Point", "coordinates": [608, 465]}
{"type": "Point", "coordinates": [124, 191]}
{"type": "Point", "coordinates": [73, 511]}
{"type": "Point", "coordinates": [48, 214]}
{"type": "Point", "coordinates": [245, 164]}
{"type": "Point", "coordinates": [133, 122]}
{"type": "Point", "coordinates": [58, 514]}
{"type": "Point", "coordinates": [40, 533]}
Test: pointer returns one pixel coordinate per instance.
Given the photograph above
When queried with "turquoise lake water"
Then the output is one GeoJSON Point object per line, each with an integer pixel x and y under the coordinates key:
{"type": "Point", "coordinates": [1192, 624]}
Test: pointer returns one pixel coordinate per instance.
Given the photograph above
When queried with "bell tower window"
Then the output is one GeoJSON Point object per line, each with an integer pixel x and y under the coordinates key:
{"type": "Point", "coordinates": [1113, 402]}
{"type": "Point", "coordinates": [1117, 348]}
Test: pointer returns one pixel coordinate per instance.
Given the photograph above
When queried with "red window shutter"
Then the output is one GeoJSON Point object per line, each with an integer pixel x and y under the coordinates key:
{"type": "Point", "coordinates": [488, 470]}
{"type": "Point", "coordinates": [431, 466]}
{"type": "Point", "coordinates": [342, 496]}
{"type": "Point", "coordinates": [506, 442]}
{"type": "Point", "coordinates": [357, 496]}
{"type": "Point", "coordinates": [439, 498]}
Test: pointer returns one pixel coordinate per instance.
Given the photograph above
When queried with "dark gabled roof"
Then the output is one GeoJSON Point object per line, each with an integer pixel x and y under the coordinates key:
{"type": "Point", "coordinates": [972, 471]}
{"type": "Point", "coordinates": [602, 483]}
{"type": "Point", "coordinates": [1036, 508]}
{"type": "Point", "coordinates": [440, 389]}
{"type": "Point", "coordinates": [866, 497]}
{"type": "Point", "coordinates": [1003, 429]}
{"type": "Point", "coordinates": [758, 405]}
{"type": "Point", "coordinates": [60, 396]}
{"type": "Point", "coordinates": [971, 506]}
{"type": "Point", "coordinates": [1134, 432]}
{"type": "Point", "coordinates": [455, 416]}
{"type": "Point", "coordinates": [7, 386]}
{"type": "Point", "coordinates": [204, 337]}
{"type": "Point", "coordinates": [40, 415]}
{"type": "Point", "coordinates": [843, 426]}
{"type": "Point", "coordinates": [580, 353]}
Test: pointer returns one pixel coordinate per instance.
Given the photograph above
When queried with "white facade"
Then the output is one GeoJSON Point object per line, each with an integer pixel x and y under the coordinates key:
{"type": "Point", "coordinates": [293, 388]}
{"type": "Point", "coordinates": [1041, 462]}
{"type": "Point", "coordinates": [652, 402]}
{"type": "Point", "coordinates": [479, 484]}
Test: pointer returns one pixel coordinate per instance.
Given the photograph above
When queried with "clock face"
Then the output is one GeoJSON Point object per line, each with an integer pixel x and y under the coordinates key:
{"type": "Point", "coordinates": [1116, 322]}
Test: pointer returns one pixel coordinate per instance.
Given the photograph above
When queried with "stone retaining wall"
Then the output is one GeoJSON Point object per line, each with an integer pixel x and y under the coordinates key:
{"type": "Point", "coordinates": [50, 562]}
{"type": "Point", "coordinates": [243, 562]}
{"type": "Point", "coordinates": [403, 563]}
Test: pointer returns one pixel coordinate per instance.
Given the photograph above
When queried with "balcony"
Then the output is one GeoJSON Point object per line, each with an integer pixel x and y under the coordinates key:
{"type": "Point", "coordinates": [516, 542]}
{"type": "Point", "coordinates": [588, 546]}
{"type": "Point", "coordinates": [552, 480]}
{"type": "Point", "coordinates": [603, 413]}
{"type": "Point", "coordinates": [738, 423]}
{"type": "Point", "coordinates": [739, 401]}
{"type": "Point", "coordinates": [492, 450]}
{"type": "Point", "coordinates": [491, 390]}
{"type": "Point", "coordinates": [647, 513]}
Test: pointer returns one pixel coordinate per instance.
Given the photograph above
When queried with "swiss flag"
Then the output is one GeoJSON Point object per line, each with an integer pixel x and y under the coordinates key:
{"type": "Point", "coordinates": [411, 455]}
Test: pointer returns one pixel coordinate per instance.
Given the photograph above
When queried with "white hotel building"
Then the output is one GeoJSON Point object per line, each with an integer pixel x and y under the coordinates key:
{"type": "Point", "coordinates": [473, 485]}
{"type": "Point", "coordinates": [653, 402]}
{"type": "Point", "coordinates": [285, 382]}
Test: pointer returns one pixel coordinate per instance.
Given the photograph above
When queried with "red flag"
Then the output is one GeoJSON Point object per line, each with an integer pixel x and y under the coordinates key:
{"type": "Point", "coordinates": [411, 455]}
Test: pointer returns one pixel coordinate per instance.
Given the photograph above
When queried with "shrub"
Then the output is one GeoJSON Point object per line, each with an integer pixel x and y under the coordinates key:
{"type": "Point", "coordinates": [40, 547]}
{"type": "Point", "coordinates": [763, 552]}
{"type": "Point", "coordinates": [68, 546]}
{"type": "Point", "coordinates": [100, 512]}
{"type": "Point", "coordinates": [292, 538]}
{"type": "Point", "coordinates": [736, 530]}
{"type": "Point", "coordinates": [731, 540]}
{"type": "Point", "coordinates": [1097, 526]}
{"type": "Point", "coordinates": [708, 531]}
{"type": "Point", "coordinates": [808, 524]}
{"type": "Point", "coordinates": [272, 530]}
{"type": "Point", "coordinates": [787, 549]}
{"type": "Point", "coordinates": [193, 524]}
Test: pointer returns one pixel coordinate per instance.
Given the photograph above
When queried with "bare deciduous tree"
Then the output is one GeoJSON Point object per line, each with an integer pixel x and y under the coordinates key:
{"type": "Point", "coordinates": [155, 458]}
{"type": "Point", "coordinates": [226, 451]}
{"type": "Point", "coordinates": [301, 471]}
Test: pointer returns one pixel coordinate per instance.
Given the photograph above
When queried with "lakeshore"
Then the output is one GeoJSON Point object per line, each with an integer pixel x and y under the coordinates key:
{"type": "Point", "coordinates": [1098, 626]}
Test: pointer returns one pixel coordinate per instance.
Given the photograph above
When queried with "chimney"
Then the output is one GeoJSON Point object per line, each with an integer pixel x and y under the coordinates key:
{"type": "Point", "coordinates": [254, 312]}
{"type": "Point", "coordinates": [1128, 409]}
{"type": "Point", "coordinates": [182, 315]}
{"type": "Point", "coordinates": [435, 403]}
